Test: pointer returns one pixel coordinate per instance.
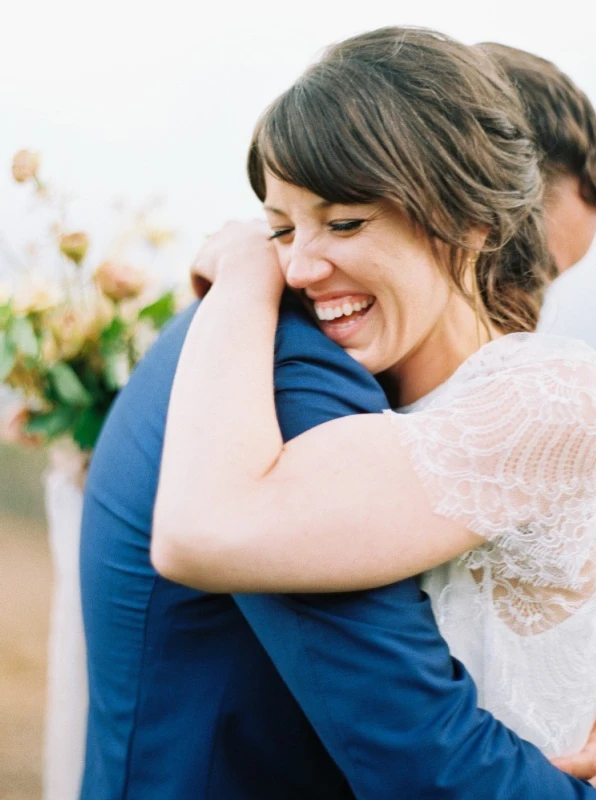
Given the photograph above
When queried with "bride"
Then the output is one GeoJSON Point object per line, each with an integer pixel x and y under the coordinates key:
{"type": "Point", "coordinates": [403, 197]}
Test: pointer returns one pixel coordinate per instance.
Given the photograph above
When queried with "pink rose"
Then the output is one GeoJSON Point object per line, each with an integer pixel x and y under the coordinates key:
{"type": "Point", "coordinates": [13, 428]}
{"type": "Point", "coordinates": [120, 281]}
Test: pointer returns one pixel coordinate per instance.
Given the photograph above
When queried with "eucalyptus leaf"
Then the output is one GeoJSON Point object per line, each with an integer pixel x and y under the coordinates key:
{"type": "Point", "coordinates": [113, 337]}
{"type": "Point", "coordinates": [88, 428]}
{"type": "Point", "coordinates": [8, 355]}
{"type": "Point", "coordinates": [161, 311]}
{"type": "Point", "coordinates": [54, 423]}
{"type": "Point", "coordinates": [5, 313]}
{"type": "Point", "coordinates": [116, 370]}
{"type": "Point", "coordinates": [68, 386]}
{"type": "Point", "coordinates": [23, 336]}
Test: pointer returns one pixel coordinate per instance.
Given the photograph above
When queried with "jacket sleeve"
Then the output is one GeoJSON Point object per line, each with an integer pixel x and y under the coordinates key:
{"type": "Point", "coordinates": [370, 670]}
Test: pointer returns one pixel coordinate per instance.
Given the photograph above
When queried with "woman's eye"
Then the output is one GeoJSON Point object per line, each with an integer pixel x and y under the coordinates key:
{"type": "Point", "coordinates": [279, 232]}
{"type": "Point", "coordinates": [346, 225]}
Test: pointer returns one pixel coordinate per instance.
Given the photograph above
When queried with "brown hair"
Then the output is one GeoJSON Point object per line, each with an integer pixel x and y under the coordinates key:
{"type": "Point", "coordinates": [561, 118]}
{"type": "Point", "coordinates": [412, 116]}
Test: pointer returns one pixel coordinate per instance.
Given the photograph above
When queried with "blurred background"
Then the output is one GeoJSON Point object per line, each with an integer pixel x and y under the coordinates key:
{"type": "Point", "coordinates": [148, 104]}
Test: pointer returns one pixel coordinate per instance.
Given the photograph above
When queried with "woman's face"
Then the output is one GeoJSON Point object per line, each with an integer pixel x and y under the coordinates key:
{"type": "Point", "coordinates": [369, 275]}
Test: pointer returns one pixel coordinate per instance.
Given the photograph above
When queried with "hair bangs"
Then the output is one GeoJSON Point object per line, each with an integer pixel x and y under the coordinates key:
{"type": "Point", "coordinates": [302, 140]}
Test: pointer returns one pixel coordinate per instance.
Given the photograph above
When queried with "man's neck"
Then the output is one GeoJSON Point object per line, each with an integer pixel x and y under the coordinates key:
{"type": "Point", "coordinates": [570, 222]}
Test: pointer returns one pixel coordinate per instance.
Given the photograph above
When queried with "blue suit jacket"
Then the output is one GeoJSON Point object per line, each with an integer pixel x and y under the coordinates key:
{"type": "Point", "coordinates": [186, 698]}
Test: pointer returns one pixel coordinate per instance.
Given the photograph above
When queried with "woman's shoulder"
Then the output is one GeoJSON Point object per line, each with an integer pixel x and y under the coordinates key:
{"type": "Point", "coordinates": [525, 375]}
{"type": "Point", "coordinates": [534, 359]}
{"type": "Point", "coordinates": [523, 349]}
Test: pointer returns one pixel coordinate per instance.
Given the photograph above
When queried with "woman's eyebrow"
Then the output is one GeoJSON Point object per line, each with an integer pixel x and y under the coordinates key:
{"type": "Point", "coordinates": [317, 206]}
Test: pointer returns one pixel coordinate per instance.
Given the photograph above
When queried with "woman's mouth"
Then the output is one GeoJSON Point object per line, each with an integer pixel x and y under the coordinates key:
{"type": "Point", "coordinates": [341, 317]}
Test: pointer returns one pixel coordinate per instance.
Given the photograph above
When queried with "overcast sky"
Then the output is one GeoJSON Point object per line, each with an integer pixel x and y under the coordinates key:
{"type": "Point", "coordinates": [139, 99]}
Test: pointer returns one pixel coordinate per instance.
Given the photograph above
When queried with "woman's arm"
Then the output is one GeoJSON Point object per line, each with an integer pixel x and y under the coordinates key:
{"type": "Point", "coordinates": [337, 508]}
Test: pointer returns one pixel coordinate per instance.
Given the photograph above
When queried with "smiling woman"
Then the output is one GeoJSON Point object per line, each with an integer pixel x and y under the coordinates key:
{"type": "Point", "coordinates": [373, 255]}
{"type": "Point", "coordinates": [398, 176]}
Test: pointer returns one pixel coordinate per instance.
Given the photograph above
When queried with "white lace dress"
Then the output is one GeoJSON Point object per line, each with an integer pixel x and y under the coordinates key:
{"type": "Point", "coordinates": [508, 447]}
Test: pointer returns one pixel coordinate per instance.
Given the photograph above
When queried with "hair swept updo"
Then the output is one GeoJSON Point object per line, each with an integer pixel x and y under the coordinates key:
{"type": "Point", "coordinates": [414, 117]}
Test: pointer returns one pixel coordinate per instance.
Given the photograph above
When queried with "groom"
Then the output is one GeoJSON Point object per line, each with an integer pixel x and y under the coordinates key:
{"type": "Point", "coordinates": [196, 696]}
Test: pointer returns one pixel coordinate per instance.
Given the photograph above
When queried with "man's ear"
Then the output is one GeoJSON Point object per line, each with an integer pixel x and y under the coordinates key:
{"type": "Point", "coordinates": [200, 285]}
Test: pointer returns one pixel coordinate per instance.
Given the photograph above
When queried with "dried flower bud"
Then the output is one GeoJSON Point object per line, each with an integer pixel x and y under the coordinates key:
{"type": "Point", "coordinates": [13, 428]}
{"type": "Point", "coordinates": [74, 246]}
{"type": "Point", "coordinates": [120, 281]}
{"type": "Point", "coordinates": [158, 237]}
{"type": "Point", "coordinates": [69, 328]}
{"type": "Point", "coordinates": [24, 166]}
{"type": "Point", "coordinates": [49, 349]}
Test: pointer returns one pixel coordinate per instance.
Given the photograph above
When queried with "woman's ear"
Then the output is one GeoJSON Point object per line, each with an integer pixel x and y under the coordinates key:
{"type": "Point", "coordinates": [477, 237]}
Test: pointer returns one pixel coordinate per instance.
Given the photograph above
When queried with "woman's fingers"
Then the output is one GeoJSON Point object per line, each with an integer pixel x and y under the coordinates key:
{"type": "Point", "coordinates": [583, 764]}
{"type": "Point", "coordinates": [242, 249]}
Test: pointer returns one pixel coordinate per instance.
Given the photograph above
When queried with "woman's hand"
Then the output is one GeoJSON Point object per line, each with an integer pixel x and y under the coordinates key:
{"type": "Point", "coordinates": [240, 252]}
{"type": "Point", "coordinates": [583, 764]}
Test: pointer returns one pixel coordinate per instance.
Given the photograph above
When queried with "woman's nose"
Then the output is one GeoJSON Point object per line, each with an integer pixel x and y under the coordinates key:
{"type": "Point", "coordinates": [303, 271]}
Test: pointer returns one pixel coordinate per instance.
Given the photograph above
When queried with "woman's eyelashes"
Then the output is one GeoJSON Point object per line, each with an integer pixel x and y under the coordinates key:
{"type": "Point", "coordinates": [343, 226]}
{"type": "Point", "coordinates": [347, 225]}
{"type": "Point", "coordinates": [279, 232]}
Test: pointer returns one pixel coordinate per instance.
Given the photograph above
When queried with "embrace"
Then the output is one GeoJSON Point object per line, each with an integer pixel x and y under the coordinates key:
{"type": "Point", "coordinates": [339, 530]}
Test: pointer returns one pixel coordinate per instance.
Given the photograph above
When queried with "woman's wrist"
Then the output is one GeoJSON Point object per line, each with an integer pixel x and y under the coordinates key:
{"type": "Point", "coordinates": [258, 283]}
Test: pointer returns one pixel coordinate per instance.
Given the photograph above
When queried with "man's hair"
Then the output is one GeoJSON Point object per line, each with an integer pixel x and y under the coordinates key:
{"type": "Point", "coordinates": [412, 116]}
{"type": "Point", "coordinates": [561, 117]}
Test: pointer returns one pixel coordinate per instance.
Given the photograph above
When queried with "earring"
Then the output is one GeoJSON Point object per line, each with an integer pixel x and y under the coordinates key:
{"type": "Point", "coordinates": [471, 262]}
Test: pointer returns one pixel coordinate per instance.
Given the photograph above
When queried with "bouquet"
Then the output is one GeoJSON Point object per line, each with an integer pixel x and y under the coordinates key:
{"type": "Point", "coordinates": [68, 343]}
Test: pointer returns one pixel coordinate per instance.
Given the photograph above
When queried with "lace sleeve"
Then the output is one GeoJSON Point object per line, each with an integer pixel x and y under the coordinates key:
{"type": "Point", "coordinates": [509, 450]}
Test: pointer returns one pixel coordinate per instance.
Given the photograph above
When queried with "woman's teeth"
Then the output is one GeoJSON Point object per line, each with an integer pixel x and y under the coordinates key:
{"type": "Point", "coordinates": [345, 310]}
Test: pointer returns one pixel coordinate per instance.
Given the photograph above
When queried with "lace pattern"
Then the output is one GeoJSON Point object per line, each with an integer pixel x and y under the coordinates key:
{"type": "Point", "coordinates": [508, 449]}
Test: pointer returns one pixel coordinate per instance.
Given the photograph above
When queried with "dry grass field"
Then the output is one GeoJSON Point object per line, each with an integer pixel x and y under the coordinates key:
{"type": "Point", "coordinates": [24, 603]}
{"type": "Point", "coordinates": [25, 578]}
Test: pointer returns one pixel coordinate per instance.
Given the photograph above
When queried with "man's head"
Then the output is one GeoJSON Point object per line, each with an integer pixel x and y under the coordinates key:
{"type": "Point", "coordinates": [563, 122]}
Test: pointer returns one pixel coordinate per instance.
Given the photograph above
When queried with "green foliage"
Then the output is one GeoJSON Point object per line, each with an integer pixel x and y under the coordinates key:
{"type": "Point", "coordinates": [8, 355]}
{"type": "Point", "coordinates": [114, 368]}
{"type": "Point", "coordinates": [53, 423]}
{"type": "Point", "coordinates": [161, 311]}
{"type": "Point", "coordinates": [68, 387]}
{"type": "Point", "coordinates": [88, 427]}
{"type": "Point", "coordinates": [22, 335]}
{"type": "Point", "coordinates": [113, 338]}
{"type": "Point", "coordinates": [76, 337]}
{"type": "Point", "coordinates": [5, 314]}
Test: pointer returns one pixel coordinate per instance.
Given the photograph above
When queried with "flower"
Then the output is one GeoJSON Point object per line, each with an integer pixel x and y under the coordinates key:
{"type": "Point", "coordinates": [157, 236]}
{"type": "Point", "coordinates": [69, 343]}
{"type": "Point", "coordinates": [143, 338]}
{"type": "Point", "coordinates": [100, 315]}
{"type": "Point", "coordinates": [24, 166]}
{"type": "Point", "coordinates": [74, 246]}
{"type": "Point", "coordinates": [35, 296]}
{"type": "Point", "coordinates": [69, 327]}
{"type": "Point", "coordinates": [13, 427]}
{"type": "Point", "coordinates": [120, 281]}
{"type": "Point", "coordinates": [49, 348]}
